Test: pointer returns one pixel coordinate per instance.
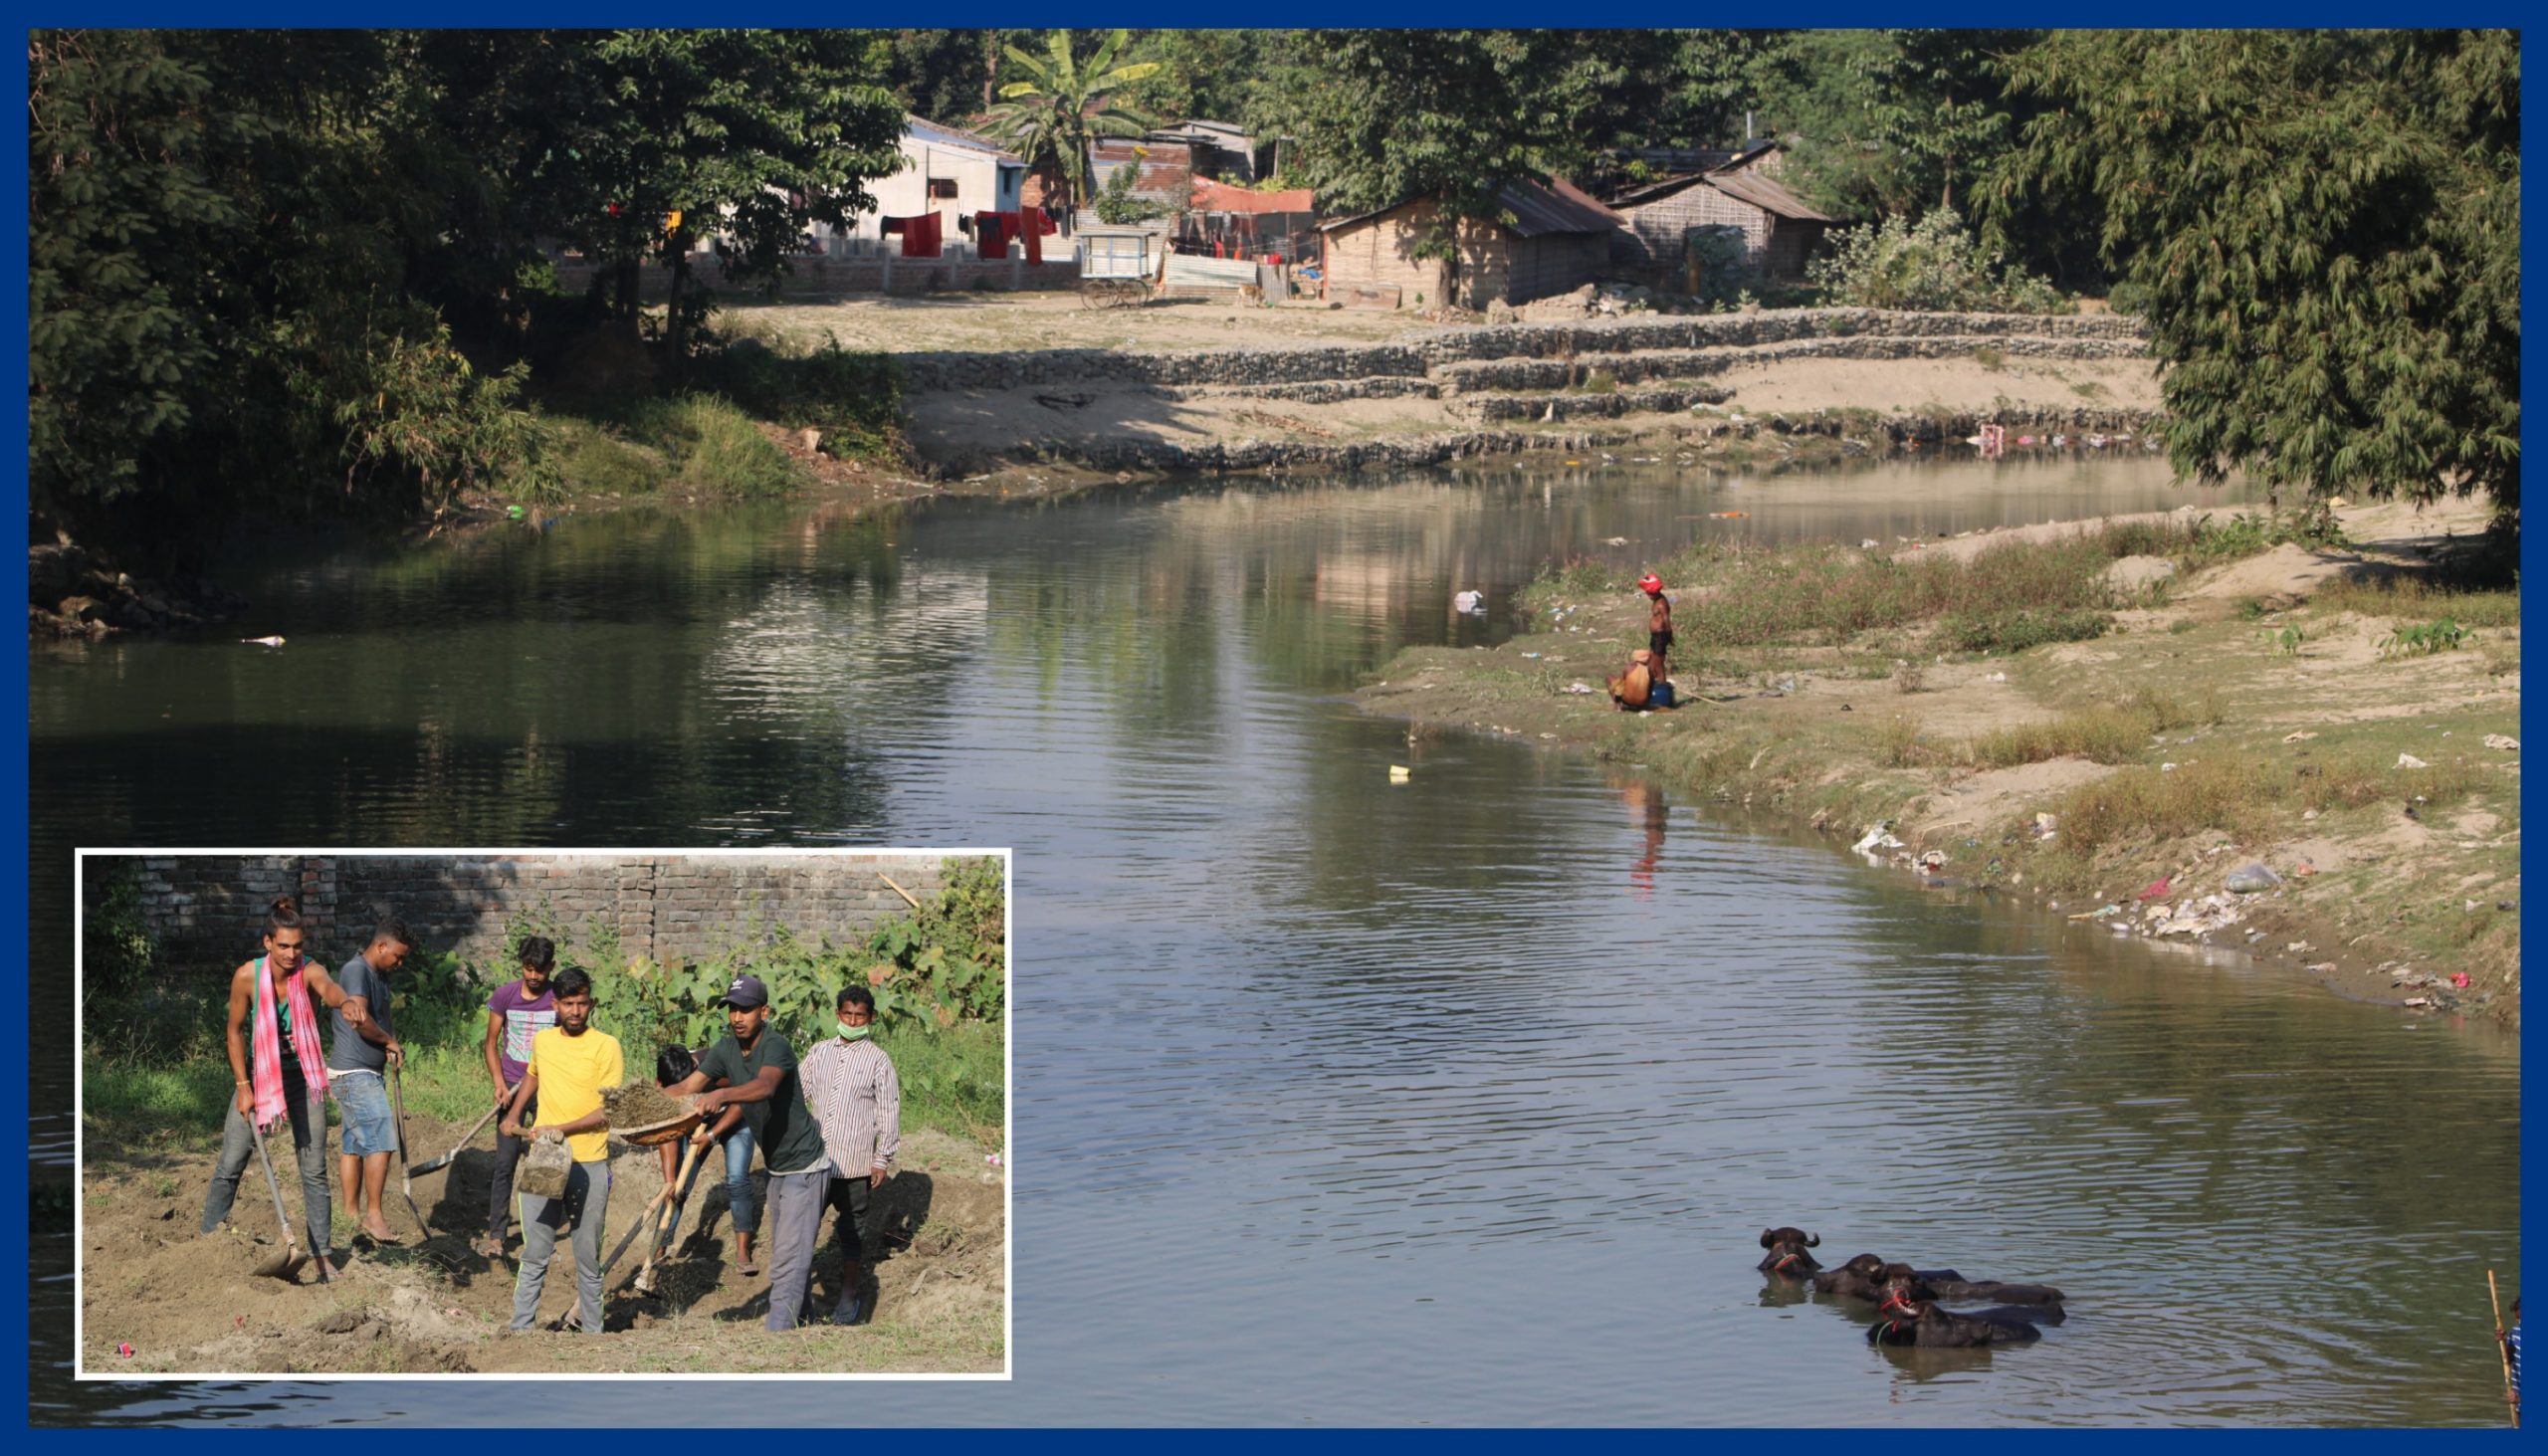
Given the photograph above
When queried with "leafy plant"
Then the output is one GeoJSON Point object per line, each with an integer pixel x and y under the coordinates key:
{"type": "Point", "coordinates": [2288, 640]}
{"type": "Point", "coordinates": [1933, 264]}
{"type": "Point", "coordinates": [2424, 639]}
{"type": "Point", "coordinates": [948, 959]}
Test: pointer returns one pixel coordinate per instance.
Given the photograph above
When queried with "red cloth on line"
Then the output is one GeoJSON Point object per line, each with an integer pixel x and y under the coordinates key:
{"type": "Point", "coordinates": [1030, 226]}
{"type": "Point", "coordinates": [990, 235]}
{"type": "Point", "coordinates": [1046, 224]}
{"type": "Point", "coordinates": [920, 236]}
{"type": "Point", "coordinates": [892, 226]}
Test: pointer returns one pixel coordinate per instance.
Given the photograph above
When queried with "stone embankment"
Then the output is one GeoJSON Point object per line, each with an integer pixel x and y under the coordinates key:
{"type": "Point", "coordinates": [71, 593]}
{"type": "Point", "coordinates": [1457, 383]}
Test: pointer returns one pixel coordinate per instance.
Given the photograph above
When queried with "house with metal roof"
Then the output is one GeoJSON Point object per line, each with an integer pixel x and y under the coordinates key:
{"type": "Point", "coordinates": [1553, 238]}
{"type": "Point", "coordinates": [1771, 230]}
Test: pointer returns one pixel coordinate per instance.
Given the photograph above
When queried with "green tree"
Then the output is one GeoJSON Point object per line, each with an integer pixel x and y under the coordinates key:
{"type": "Point", "coordinates": [668, 135]}
{"type": "Point", "coordinates": [1066, 102]}
{"type": "Point", "coordinates": [2327, 228]}
{"type": "Point", "coordinates": [1937, 107]}
{"type": "Point", "coordinates": [227, 232]}
{"type": "Point", "coordinates": [1386, 117]}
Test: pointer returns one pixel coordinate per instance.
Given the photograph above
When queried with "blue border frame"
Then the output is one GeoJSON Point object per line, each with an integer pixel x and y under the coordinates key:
{"type": "Point", "coordinates": [1623, 13]}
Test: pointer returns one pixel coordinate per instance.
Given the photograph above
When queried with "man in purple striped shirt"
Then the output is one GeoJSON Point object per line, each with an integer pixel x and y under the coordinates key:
{"type": "Point", "coordinates": [849, 1082]}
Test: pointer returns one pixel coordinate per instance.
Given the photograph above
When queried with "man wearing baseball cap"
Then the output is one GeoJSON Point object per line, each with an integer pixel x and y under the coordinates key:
{"type": "Point", "coordinates": [761, 1091]}
{"type": "Point", "coordinates": [1658, 624]}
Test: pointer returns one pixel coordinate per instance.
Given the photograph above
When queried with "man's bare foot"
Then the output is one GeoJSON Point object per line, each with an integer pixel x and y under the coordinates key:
{"type": "Point", "coordinates": [381, 1235]}
{"type": "Point", "coordinates": [491, 1247]}
{"type": "Point", "coordinates": [326, 1270]}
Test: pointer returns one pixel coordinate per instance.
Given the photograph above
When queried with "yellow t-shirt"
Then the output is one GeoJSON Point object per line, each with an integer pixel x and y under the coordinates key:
{"type": "Point", "coordinates": [574, 1072]}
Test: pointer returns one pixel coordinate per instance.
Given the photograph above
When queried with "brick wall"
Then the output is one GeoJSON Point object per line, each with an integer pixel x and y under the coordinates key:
{"type": "Point", "coordinates": [206, 912]}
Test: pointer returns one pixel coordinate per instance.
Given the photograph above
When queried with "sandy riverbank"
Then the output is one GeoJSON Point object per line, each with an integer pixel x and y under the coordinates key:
{"type": "Point", "coordinates": [2387, 892]}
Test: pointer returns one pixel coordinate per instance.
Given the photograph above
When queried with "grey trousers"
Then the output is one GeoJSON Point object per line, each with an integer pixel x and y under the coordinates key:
{"type": "Point", "coordinates": [795, 1216]}
{"type": "Point", "coordinates": [308, 1118]}
{"type": "Point", "coordinates": [586, 1200]}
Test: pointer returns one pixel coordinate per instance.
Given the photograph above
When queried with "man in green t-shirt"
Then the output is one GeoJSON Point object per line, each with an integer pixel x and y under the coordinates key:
{"type": "Point", "coordinates": [760, 1070]}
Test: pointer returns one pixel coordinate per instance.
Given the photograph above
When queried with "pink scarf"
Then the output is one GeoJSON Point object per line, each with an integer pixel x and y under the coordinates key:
{"type": "Point", "coordinates": [265, 1054]}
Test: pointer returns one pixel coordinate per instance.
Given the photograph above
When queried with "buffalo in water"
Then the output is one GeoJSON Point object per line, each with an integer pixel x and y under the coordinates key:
{"type": "Point", "coordinates": [1954, 1288]}
{"type": "Point", "coordinates": [1906, 1320]}
{"type": "Point", "coordinates": [1787, 1254]}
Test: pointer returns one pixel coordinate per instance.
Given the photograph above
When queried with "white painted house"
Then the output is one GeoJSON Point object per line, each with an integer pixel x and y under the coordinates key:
{"type": "Point", "coordinates": [946, 170]}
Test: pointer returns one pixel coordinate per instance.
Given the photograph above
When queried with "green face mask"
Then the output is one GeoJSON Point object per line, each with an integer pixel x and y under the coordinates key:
{"type": "Point", "coordinates": [854, 1033]}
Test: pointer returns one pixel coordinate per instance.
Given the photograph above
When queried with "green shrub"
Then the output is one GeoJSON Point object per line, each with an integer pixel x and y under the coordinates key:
{"type": "Point", "coordinates": [855, 399]}
{"type": "Point", "coordinates": [1933, 264]}
{"type": "Point", "coordinates": [2019, 630]}
{"type": "Point", "coordinates": [714, 448]}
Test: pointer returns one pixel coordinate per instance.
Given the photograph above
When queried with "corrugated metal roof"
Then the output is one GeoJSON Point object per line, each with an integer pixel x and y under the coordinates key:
{"type": "Point", "coordinates": [1765, 194]}
{"type": "Point", "coordinates": [938, 135]}
{"type": "Point", "coordinates": [1211, 196]}
{"type": "Point", "coordinates": [1538, 210]}
{"type": "Point", "coordinates": [1656, 192]}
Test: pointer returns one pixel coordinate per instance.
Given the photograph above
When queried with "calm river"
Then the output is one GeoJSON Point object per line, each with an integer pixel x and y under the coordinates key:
{"type": "Point", "coordinates": [1336, 1101]}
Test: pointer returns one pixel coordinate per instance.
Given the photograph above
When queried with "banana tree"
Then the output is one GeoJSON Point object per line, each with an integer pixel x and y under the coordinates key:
{"type": "Point", "coordinates": [1067, 102]}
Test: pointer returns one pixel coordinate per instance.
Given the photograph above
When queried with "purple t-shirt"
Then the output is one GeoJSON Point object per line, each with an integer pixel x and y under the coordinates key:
{"type": "Point", "coordinates": [524, 1016]}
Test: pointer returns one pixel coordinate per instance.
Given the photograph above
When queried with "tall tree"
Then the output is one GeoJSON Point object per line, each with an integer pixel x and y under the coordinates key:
{"type": "Point", "coordinates": [1385, 117]}
{"type": "Point", "coordinates": [751, 135]}
{"type": "Point", "coordinates": [2327, 228]}
{"type": "Point", "coordinates": [1067, 101]}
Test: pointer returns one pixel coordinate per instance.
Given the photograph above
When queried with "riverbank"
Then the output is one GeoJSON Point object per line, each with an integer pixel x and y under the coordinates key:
{"type": "Point", "coordinates": [2108, 718]}
{"type": "Point", "coordinates": [936, 1281]}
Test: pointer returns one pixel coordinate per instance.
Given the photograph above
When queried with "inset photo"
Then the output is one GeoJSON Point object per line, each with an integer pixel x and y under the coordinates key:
{"type": "Point", "coordinates": [452, 1112]}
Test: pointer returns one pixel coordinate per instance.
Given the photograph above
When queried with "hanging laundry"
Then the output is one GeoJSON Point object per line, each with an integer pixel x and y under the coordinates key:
{"type": "Point", "coordinates": [920, 236]}
{"type": "Point", "coordinates": [893, 225]}
{"type": "Point", "coordinates": [1030, 226]}
{"type": "Point", "coordinates": [994, 241]}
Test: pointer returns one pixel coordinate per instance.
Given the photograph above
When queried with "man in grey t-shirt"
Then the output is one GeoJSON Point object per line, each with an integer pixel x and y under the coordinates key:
{"type": "Point", "coordinates": [360, 1051]}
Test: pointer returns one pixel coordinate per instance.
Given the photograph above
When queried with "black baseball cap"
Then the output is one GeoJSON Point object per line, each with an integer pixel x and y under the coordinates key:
{"type": "Point", "coordinates": [745, 993]}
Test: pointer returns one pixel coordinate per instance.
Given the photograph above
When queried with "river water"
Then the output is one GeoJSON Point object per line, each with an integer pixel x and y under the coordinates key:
{"type": "Point", "coordinates": [1457, 1102]}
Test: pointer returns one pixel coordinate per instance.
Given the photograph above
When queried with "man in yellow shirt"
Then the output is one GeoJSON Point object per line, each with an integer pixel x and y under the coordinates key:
{"type": "Point", "coordinates": [570, 1066]}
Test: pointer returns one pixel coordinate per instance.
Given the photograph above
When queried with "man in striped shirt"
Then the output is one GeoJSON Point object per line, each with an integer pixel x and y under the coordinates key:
{"type": "Point", "coordinates": [850, 1084]}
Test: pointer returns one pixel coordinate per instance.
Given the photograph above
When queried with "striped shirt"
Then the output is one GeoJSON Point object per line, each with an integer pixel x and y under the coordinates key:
{"type": "Point", "coordinates": [858, 1103]}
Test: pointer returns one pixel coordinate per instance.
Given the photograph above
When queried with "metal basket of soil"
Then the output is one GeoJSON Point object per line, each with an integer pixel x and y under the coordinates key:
{"type": "Point", "coordinates": [646, 1115]}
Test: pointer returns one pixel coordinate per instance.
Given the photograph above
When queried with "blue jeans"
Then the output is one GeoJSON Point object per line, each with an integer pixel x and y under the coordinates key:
{"type": "Point", "coordinates": [739, 1179]}
{"type": "Point", "coordinates": [364, 1099]}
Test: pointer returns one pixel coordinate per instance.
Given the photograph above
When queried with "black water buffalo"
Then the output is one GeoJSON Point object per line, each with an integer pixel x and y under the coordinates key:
{"type": "Point", "coordinates": [1787, 1254]}
{"type": "Point", "coordinates": [1954, 1288]}
{"type": "Point", "coordinates": [1907, 1320]}
{"type": "Point", "coordinates": [1863, 1277]}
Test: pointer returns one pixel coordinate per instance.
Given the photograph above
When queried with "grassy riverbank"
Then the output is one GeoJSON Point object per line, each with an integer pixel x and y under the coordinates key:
{"type": "Point", "coordinates": [2023, 718]}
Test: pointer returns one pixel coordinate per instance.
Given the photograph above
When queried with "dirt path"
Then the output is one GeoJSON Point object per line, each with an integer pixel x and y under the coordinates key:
{"type": "Point", "coordinates": [189, 1304]}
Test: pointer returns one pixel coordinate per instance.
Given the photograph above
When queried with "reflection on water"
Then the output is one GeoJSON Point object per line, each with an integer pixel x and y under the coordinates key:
{"type": "Point", "coordinates": [1460, 1100]}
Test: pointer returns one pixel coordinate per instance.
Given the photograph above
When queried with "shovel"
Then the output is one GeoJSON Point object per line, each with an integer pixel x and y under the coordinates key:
{"type": "Point", "coordinates": [668, 1220]}
{"type": "Point", "coordinates": [398, 1102]}
{"type": "Point", "coordinates": [284, 1266]}
{"type": "Point", "coordinates": [436, 1164]}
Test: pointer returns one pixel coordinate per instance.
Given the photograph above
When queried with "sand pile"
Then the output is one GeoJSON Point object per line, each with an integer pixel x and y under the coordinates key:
{"type": "Point", "coordinates": [641, 1105]}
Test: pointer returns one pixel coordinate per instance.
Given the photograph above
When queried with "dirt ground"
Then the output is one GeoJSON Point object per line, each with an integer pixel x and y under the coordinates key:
{"type": "Point", "coordinates": [2382, 902]}
{"type": "Point", "coordinates": [935, 1285]}
{"type": "Point", "coordinates": [975, 423]}
{"type": "Point", "coordinates": [1047, 320]}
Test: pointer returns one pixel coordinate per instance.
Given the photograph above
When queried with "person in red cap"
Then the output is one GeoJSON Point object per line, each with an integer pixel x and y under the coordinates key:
{"type": "Point", "coordinates": [1658, 624]}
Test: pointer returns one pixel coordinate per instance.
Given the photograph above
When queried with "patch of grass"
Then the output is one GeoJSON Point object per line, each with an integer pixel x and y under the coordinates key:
{"type": "Point", "coordinates": [593, 461]}
{"type": "Point", "coordinates": [1808, 593]}
{"type": "Point", "coordinates": [1898, 744]}
{"type": "Point", "coordinates": [2408, 597]}
{"type": "Point", "coordinates": [2115, 734]}
{"type": "Point", "coordinates": [954, 1079]}
{"type": "Point", "coordinates": [2218, 794]}
{"type": "Point", "coordinates": [2019, 630]}
{"type": "Point", "coordinates": [2088, 389]}
{"type": "Point", "coordinates": [1579, 580]}
{"type": "Point", "coordinates": [714, 448]}
{"type": "Point", "coordinates": [1989, 358]}
{"type": "Point", "coordinates": [1599, 381]}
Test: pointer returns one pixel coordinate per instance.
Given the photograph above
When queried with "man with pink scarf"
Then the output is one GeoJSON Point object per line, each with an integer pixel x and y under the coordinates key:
{"type": "Point", "coordinates": [281, 1067]}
